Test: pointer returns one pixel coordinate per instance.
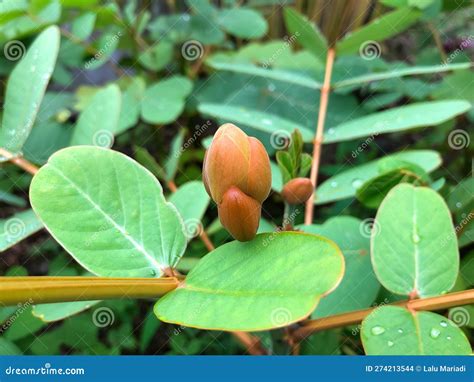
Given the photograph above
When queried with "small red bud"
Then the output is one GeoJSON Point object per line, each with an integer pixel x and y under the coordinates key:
{"type": "Point", "coordinates": [297, 191]}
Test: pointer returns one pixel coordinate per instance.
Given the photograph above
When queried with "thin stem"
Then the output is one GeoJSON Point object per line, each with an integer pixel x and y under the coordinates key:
{"type": "Point", "coordinates": [19, 161]}
{"type": "Point", "coordinates": [318, 140]}
{"type": "Point", "coordinates": [432, 303]}
{"type": "Point", "coordinates": [437, 39]}
{"type": "Point", "coordinates": [42, 289]}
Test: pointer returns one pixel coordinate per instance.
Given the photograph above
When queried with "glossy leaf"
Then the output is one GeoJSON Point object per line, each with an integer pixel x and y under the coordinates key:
{"type": "Point", "coordinates": [17, 228]}
{"type": "Point", "coordinates": [99, 121]}
{"type": "Point", "coordinates": [390, 24]}
{"type": "Point", "coordinates": [108, 212]}
{"type": "Point", "coordinates": [359, 286]}
{"type": "Point", "coordinates": [345, 184]}
{"type": "Point", "coordinates": [25, 89]}
{"type": "Point", "coordinates": [256, 119]}
{"type": "Point", "coordinates": [414, 245]}
{"type": "Point", "coordinates": [306, 32]}
{"type": "Point", "coordinates": [243, 23]}
{"type": "Point", "coordinates": [164, 101]}
{"type": "Point", "coordinates": [392, 330]}
{"type": "Point", "coordinates": [398, 119]}
{"type": "Point", "coordinates": [261, 284]}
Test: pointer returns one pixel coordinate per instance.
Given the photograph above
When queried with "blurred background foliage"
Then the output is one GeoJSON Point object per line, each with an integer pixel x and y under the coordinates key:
{"type": "Point", "coordinates": [184, 67]}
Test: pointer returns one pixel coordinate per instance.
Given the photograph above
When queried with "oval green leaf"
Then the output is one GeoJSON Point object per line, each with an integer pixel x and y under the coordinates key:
{"type": "Point", "coordinates": [398, 119]}
{"type": "Point", "coordinates": [25, 89]}
{"type": "Point", "coordinates": [108, 212]}
{"type": "Point", "coordinates": [266, 283]}
{"type": "Point", "coordinates": [17, 228]}
{"type": "Point", "coordinates": [62, 310]}
{"type": "Point", "coordinates": [392, 330]}
{"type": "Point", "coordinates": [413, 244]}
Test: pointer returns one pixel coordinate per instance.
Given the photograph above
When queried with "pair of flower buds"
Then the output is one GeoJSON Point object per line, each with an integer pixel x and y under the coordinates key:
{"type": "Point", "coordinates": [237, 176]}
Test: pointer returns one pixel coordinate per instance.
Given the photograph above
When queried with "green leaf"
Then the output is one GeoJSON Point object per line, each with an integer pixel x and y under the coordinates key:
{"type": "Point", "coordinates": [390, 24]}
{"type": "Point", "coordinates": [191, 201]}
{"type": "Point", "coordinates": [17, 228]}
{"type": "Point", "coordinates": [157, 56]}
{"type": "Point", "coordinates": [164, 101]}
{"type": "Point", "coordinates": [273, 74]}
{"type": "Point", "coordinates": [345, 184]}
{"type": "Point", "coordinates": [12, 199]}
{"type": "Point", "coordinates": [461, 204]}
{"type": "Point", "coordinates": [392, 330]}
{"type": "Point", "coordinates": [277, 180]}
{"type": "Point", "coordinates": [131, 101]}
{"type": "Point", "coordinates": [306, 32]}
{"type": "Point", "coordinates": [359, 286]}
{"type": "Point", "coordinates": [147, 160]}
{"type": "Point", "coordinates": [98, 122]}
{"type": "Point", "coordinates": [105, 46]}
{"type": "Point", "coordinates": [262, 284]}
{"type": "Point", "coordinates": [398, 119]}
{"type": "Point", "coordinates": [60, 311]}
{"type": "Point", "coordinates": [9, 348]}
{"type": "Point", "coordinates": [108, 212]}
{"type": "Point", "coordinates": [256, 119]}
{"type": "Point", "coordinates": [83, 26]}
{"type": "Point", "coordinates": [25, 89]}
{"type": "Point", "coordinates": [243, 23]}
{"type": "Point", "coordinates": [398, 73]}
{"type": "Point", "coordinates": [414, 245]}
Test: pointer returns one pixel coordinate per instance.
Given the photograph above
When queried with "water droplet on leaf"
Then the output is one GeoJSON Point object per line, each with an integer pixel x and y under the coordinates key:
{"type": "Point", "coordinates": [434, 333]}
{"type": "Point", "coordinates": [390, 344]}
{"type": "Point", "coordinates": [444, 324]}
{"type": "Point", "coordinates": [356, 183]}
{"type": "Point", "coordinates": [377, 330]}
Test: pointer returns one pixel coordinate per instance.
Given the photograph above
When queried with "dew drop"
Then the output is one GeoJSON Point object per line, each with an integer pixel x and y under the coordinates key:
{"type": "Point", "coordinates": [377, 330]}
{"type": "Point", "coordinates": [444, 324]}
{"type": "Point", "coordinates": [434, 333]}
{"type": "Point", "coordinates": [266, 121]}
{"type": "Point", "coordinates": [415, 238]}
{"type": "Point", "coordinates": [448, 338]}
{"type": "Point", "coordinates": [333, 184]}
{"type": "Point", "coordinates": [356, 183]}
{"type": "Point", "coordinates": [400, 331]}
{"type": "Point", "coordinates": [390, 344]}
{"type": "Point", "coordinates": [271, 88]}
{"type": "Point", "coordinates": [331, 131]}
{"type": "Point", "coordinates": [458, 204]}
{"type": "Point", "coordinates": [33, 68]}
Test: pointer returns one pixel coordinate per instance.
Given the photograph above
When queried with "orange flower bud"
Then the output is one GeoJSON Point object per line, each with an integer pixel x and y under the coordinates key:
{"type": "Point", "coordinates": [297, 191]}
{"type": "Point", "coordinates": [237, 176]}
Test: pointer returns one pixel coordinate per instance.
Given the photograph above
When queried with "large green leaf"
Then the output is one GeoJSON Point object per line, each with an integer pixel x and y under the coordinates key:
{"type": "Point", "coordinates": [25, 89]}
{"type": "Point", "coordinates": [461, 204]}
{"type": "Point", "coordinates": [256, 119]}
{"type": "Point", "coordinates": [307, 33]}
{"type": "Point", "coordinates": [17, 228]}
{"type": "Point", "coordinates": [414, 245]}
{"type": "Point", "coordinates": [388, 25]}
{"type": "Point", "coordinates": [265, 283]}
{"type": "Point", "coordinates": [392, 330]}
{"type": "Point", "coordinates": [99, 121]}
{"type": "Point", "coordinates": [108, 212]}
{"type": "Point", "coordinates": [398, 119]}
{"type": "Point", "coordinates": [164, 101]}
{"type": "Point", "coordinates": [191, 200]}
{"type": "Point", "coordinates": [346, 183]}
{"type": "Point", "coordinates": [62, 310]}
{"type": "Point", "coordinates": [359, 287]}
